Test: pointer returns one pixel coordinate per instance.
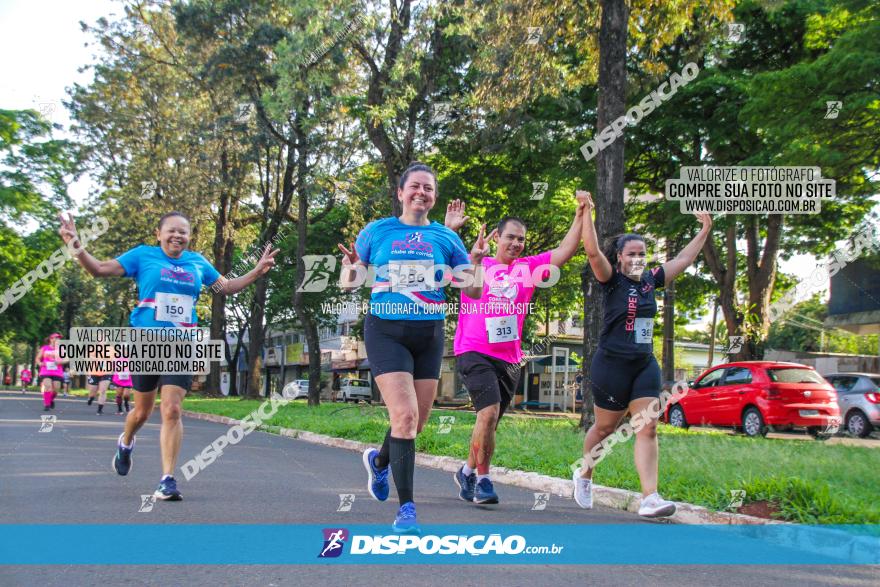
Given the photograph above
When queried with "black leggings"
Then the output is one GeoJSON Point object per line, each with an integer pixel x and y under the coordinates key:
{"type": "Point", "coordinates": [616, 381]}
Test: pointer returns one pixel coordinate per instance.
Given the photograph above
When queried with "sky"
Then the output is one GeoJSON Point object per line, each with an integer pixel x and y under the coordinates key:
{"type": "Point", "coordinates": [43, 48]}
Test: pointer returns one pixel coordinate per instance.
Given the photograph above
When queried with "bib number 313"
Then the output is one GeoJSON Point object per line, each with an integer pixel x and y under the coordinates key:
{"type": "Point", "coordinates": [502, 329]}
{"type": "Point", "coordinates": [173, 307]}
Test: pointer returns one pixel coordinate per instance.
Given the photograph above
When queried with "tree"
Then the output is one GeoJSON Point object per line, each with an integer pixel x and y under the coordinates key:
{"type": "Point", "coordinates": [736, 113]}
{"type": "Point", "coordinates": [412, 63]}
{"type": "Point", "coordinates": [303, 134]}
{"type": "Point", "coordinates": [34, 171]}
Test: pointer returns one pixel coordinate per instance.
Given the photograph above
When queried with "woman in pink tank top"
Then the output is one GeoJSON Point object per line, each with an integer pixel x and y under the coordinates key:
{"type": "Point", "coordinates": [51, 371]}
{"type": "Point", "coordinates": [122, 381]}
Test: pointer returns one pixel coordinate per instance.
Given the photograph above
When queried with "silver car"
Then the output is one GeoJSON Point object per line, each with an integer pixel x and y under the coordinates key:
{"type": "Point", "coordinates": [858, 395]}
{"type": "Point", "coordinates": [296, 389]}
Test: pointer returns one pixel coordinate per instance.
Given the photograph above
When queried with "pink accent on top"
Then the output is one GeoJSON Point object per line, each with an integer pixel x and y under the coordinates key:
{"type": "Point", "coordinates": [510, 294]}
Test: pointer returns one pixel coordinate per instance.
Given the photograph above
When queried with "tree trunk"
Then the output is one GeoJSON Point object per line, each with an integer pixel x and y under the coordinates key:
{"type": "Point", "coordinates": [304, 317]}
{"type": "Point", "coordinates": [222, 253]}
{"type": "Point", "coordinates": [258, 337]}
{"type": "Point", "coordinates": [232, 360]}
{"type": "Point", "coordinates": [761, 275]}
{"type": "Point", "coordinates": [609, 172]}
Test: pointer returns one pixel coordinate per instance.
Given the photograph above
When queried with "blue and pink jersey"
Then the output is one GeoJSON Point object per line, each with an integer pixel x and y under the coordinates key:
{"type": "Point", "coordinates": [493, 324]}
{"type": "Point", "coordinates": [405, 257]}
{"type": "Point", "coordinates": [168, 288]}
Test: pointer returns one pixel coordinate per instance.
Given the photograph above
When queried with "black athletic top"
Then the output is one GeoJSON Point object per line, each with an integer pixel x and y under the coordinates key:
{"type": "Point", "coordinates": [630, 308]}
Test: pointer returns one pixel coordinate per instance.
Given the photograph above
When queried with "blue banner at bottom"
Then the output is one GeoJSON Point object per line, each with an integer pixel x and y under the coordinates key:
{"type": "Point", "coordinates": [594, 544]}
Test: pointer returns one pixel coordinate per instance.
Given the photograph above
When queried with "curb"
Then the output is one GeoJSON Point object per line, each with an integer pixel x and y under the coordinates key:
{"type": "Point", "coordinates": [611, 497]}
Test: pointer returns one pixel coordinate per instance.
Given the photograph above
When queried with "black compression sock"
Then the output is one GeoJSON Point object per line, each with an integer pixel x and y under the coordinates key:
{"type": "Point", "coordinates": [402, 452]}
{"type": "Point", "coordinates": [381, 460]}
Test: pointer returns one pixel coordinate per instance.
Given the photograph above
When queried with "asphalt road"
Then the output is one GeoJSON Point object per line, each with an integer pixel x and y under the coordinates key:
{"type": "Point", "coordinates": [65, 477]}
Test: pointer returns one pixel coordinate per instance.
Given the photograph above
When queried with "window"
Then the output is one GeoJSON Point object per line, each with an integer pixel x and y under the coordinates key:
{"type": "Point", "coordinates": [794, 375]}
{"type": "Point", "coordinates": [844, 384]}
{"type": "Point", "coordinates": [710, 380]}
{"type": "Point", "coordinates": [738, 376]}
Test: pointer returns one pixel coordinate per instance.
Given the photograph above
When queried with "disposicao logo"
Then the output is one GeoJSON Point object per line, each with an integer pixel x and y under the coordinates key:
{"type": "Point", "coordinates": [334, 539]}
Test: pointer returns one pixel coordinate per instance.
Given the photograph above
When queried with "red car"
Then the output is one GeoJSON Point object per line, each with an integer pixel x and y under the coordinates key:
{"type": "Point", "coordinates": [752, 396]}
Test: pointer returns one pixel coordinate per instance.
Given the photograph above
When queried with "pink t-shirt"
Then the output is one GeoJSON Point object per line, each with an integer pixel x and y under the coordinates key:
{"type": "Point", "coordinates": [506, 292]}
{"type": "Point", "coordinates": [122, 379]}
{"type": "Point", "coordinates": [26, 375]}
{"type": "Point", "coordinates": [50, 365]}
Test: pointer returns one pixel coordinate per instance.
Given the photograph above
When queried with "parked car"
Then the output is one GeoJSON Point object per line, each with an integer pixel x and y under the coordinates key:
{"type": "Point", "coordinates": [752, 396]}
{"type": "Point", "coordinates": [296, 389]}
{"type": "Point", "coordinates": [354, 390]}
{"type": "Point", "coordinates": [858, 395]}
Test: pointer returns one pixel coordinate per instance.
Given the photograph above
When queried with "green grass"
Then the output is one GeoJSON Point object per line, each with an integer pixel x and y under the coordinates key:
{"type": "Point", "coordinates": [111, 393]}
{"type": "Point", "coordinates": [808, 481]}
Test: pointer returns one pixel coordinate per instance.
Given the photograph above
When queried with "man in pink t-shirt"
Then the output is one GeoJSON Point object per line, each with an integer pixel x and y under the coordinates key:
{"type": "Point", "coordinates": [488, 346]}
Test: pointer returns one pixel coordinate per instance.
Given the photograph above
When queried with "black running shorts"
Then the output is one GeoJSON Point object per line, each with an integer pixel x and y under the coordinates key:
{"type": "Point", "coordinates": [95, 379]}
{"type": "Point", "coordinates": [616, 381]}
{"type": "Point", "coordinates": [153, 382]}
{"type": "Point", "coordinates": [489, 381]}
{"type": "Point", "coordinates": [411, 346]}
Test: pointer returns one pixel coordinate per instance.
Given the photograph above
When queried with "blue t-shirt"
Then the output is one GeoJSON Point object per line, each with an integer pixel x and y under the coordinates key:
{"type": "Point", "coordinates": [167, 287]}
{"type": "Point", "coordinates": [405, 259]}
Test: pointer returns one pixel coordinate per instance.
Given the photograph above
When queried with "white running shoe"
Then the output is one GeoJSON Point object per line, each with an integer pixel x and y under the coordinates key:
{"type": "Point", "coordinates": [655, 506]}
{"type": "Point", "coordinates": [583, 490]}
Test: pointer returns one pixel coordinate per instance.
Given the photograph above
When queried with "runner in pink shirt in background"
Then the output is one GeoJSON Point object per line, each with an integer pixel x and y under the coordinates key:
{"type": "Point", "coordinates": [122, 381]}
{"type": "Point", "coordinates": [25, 379]}
{"type": "Point", "coordinates": [488, 345]}
{"type": "Point", "coordinates": [51, 371]}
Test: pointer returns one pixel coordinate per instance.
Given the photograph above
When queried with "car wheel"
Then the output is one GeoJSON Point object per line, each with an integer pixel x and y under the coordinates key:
{"type": "Point", "coordinates": [676, 417]}
{"type": "Point", "coordinates": [818, 433]}
{"type": "Point", "coordinates": [753, 423]}
{"type": "Point", "coordinates": [858, 425]}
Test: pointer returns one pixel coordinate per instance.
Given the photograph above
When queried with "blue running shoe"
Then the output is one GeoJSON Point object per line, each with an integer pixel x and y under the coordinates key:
{"type": "Point", "coordinates": [377, 483]}
{"type": "Point", "coordinates": [122, 458]}
{"type": "Point", "coordinates": [466, 484]}
{"type": "Point", "coordinates": [405, 522]}
{"type": "Point", "coordinates": [485, 492]}
{"type": "Point", "coordinates": [167, 490]}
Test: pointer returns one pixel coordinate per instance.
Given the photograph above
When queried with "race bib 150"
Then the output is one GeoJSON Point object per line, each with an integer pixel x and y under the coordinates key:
{"type": "Point", "coordinates": [172, 307]}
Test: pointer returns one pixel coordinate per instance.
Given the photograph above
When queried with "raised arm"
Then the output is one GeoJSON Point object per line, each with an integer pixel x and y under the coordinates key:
{"type": "Point", "coordinates": [455, 217]}
{"type": "Point", "coordinates": [236, 284]}
{"type": "Point", "coordinates": [598, 263]}
{"type": "Point", "coordinates": [95, 267]}
{"type": "Point", "coordinates": [479, 250]}
{"type": "Point", "coordinates": [688, 255]}
{"type": "Point", "coordinates": [569, 245]}
{"type": "Point", "coordinates": [350, 261]}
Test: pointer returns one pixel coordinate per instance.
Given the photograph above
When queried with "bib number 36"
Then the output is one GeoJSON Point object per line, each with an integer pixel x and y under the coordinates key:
{"type": "Point", "coordinates": [644, 330]}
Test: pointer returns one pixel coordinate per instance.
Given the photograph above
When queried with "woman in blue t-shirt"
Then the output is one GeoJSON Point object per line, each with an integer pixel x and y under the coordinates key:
{"type": "Point", "coordinates": [403, 331]}
{"type": "Point", "coordinates": [169, 279]}
{"type": "Point", "coordinates": [625, 376]}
